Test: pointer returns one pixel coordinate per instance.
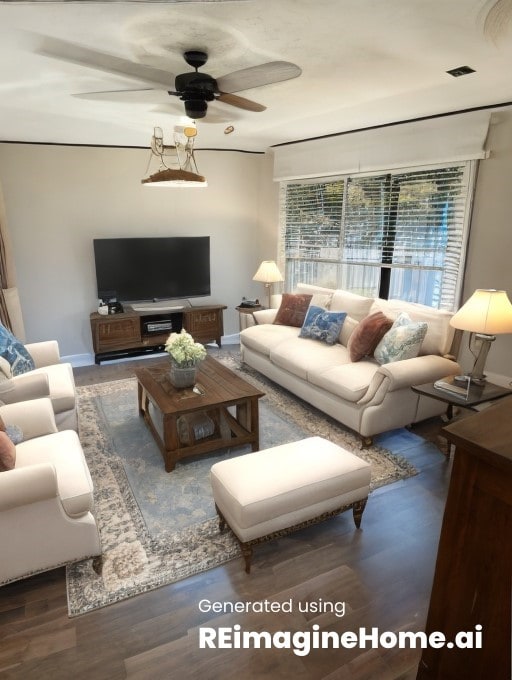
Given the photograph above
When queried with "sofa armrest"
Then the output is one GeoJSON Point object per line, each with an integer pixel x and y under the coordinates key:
{"type": "Point", "coordinates": [35, 418]}
{"type": "Point", "coordinates": [44, 353]}
{"type": "Point", "coordinates": [24, 387]}
{"type": "Point", "coordinates": [25, 485]}
{"type": "Point", "coordinates": [399, 374]}
{"type": "Point", "coordinates": [265, 316]}
{"type": "Point", "coordinates": [418, 370]}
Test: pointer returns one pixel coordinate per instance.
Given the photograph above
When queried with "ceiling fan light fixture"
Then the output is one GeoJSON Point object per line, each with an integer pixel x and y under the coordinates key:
{"type": "Point", "coordinates": [196, 108]}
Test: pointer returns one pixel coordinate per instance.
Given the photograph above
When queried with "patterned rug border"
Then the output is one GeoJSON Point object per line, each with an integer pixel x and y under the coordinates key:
{"type": "Point", "coordinates": [177, 555]}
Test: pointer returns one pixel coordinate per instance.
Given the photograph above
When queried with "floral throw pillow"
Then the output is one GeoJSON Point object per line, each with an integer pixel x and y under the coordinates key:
{"type": "Point", "coordinates": [402, 341]}
{"type": "Point", "coordinates": [293, 309]}
{"type": "Point", "coordinates": [13, 351]}
{"type": "Point", "coordinates": [320, 324]}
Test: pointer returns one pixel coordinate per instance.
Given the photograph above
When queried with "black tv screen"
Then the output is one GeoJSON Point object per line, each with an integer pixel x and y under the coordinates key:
{"type": "Point", "coordinates": [158, 268]}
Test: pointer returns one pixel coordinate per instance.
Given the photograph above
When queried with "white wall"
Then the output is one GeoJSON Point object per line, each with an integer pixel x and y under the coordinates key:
{"type": "Point", "coordinates": [59, 198]}
{"type": "Point", "coordinates": [489, 258]}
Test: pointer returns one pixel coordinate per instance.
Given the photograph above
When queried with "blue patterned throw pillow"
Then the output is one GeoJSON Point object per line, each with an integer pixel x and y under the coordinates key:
{"type": "Point", "coordinates": [402, 341]}
{"type": "Point", "coordinates": [13, 351]}
{"type": "Point", "coordinates": [320, 324]}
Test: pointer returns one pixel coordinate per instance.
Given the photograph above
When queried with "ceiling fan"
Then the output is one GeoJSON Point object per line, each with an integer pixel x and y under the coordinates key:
{"type": "Point", "coordinates": [195, 88]}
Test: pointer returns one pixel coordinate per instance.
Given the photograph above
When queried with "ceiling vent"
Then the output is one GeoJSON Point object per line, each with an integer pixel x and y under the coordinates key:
{"type": "Point", "coordinates": [460, 71]}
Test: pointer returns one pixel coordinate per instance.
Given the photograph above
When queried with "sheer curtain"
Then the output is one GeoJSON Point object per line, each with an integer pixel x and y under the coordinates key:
{"type": "Point", "coordinates": [10, 314]}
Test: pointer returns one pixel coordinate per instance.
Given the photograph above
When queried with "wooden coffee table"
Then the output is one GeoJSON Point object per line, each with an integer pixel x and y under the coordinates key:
{"type": "Point", "coordinates": [227, 400]}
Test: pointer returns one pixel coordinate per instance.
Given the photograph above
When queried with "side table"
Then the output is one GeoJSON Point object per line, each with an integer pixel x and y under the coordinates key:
{"type": "Point", "coordinates": [477, 395]}
{"type": "Point", "coordinates": [246, 315]}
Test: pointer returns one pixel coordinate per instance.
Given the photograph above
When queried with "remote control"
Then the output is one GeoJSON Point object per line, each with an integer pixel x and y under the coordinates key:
{"type": "Point", "coordinates": [450, 387]}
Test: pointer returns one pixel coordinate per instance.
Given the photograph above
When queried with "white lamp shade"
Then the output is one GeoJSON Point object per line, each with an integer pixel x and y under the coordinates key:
{"type": "Point", "coordinates": [487, 311]}
{"type": "Point", "coordinates": [268, 272]}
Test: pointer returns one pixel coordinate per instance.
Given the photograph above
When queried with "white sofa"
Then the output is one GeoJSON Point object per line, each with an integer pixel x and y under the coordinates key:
{"type": "Point", "coordinates": [46, 500]}
{"type": "Point", "coordinates": [50, 378]}
{"type": "Point", "coordinates": [365, 396]}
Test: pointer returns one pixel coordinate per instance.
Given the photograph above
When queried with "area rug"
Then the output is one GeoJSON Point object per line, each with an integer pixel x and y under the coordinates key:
{"type": "Point", "coordinates": [156, 527]}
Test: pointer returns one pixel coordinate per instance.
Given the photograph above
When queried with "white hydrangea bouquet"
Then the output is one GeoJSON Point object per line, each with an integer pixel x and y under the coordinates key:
{"type": "Point", "coordinates": [183, 350]}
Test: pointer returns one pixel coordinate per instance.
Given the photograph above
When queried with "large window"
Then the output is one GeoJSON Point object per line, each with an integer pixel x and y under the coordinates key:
{"type": "Point", "coordinates": [399, 234]}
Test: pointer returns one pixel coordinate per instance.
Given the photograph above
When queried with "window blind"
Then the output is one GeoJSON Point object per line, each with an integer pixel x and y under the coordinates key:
{"type": "Point", "coordinates": [399, 234]}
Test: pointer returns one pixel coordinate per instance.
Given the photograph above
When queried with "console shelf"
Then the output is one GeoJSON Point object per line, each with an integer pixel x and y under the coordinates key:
{"type": "Point", "coordinates": [135, 333]}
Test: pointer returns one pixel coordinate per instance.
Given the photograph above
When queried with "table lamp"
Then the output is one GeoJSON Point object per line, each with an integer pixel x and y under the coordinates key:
{"type": "Point", "coordinates": [268, 273]}
{"type": "Point", "coordinates": [485, 314]}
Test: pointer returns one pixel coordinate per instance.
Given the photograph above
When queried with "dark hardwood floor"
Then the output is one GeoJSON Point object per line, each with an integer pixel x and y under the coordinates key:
{"type": "Point", "coordinates": [382, 573]}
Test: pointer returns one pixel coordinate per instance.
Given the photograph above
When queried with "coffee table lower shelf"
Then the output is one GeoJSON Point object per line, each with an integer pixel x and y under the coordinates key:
{"type": "Point", "coordinates": [230, 431]}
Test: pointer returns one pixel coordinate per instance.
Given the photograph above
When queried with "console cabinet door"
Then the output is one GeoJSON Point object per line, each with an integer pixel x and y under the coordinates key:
{"type": "Point", "coordinates": [110, 333]}
{"type": "Point", "coordinates": [204, 324]}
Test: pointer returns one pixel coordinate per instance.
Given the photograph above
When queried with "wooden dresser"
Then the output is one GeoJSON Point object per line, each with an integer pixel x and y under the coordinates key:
{"type": "Point", "coordinates": [472, 581]}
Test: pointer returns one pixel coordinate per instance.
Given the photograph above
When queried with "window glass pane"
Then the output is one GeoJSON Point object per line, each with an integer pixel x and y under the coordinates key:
{"type": "Point", "coordinates": [416, 285]}
{"type": "Point", "coordinates": [366, 218]}
{"type": "Point", "coordinates": [360, 279]}
{"type": "Point", "coordinates": [313, 220]}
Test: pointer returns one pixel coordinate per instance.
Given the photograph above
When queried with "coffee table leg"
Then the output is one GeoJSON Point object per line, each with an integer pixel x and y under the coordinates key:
{"type": "Point", "coordinates": [255, 424]}
{"type": "Point", "coordinates": [247, 414]}
{"type": "Point", "coordinates": [141, 398]}
{"type": "Point", "coordinates": [171, 442]}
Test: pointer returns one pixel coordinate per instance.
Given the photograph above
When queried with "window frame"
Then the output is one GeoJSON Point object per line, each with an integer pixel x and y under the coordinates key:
{"type": "Point", "coordinates": [470, 168]}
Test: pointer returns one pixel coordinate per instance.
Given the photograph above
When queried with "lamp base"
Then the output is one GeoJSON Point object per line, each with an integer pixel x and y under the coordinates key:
{"type": "Point", "coordinates": [477, 374]}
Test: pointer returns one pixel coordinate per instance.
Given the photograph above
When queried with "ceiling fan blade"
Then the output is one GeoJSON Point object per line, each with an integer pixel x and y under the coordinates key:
{"type": "Point", "coordinates": [108, 63]}
{"type": "Point", "coordinates": [240, 102]}
{"type": "Point", "coordinates": [256, 76]}
{"type": "Point", "coordinates": [141, 96]}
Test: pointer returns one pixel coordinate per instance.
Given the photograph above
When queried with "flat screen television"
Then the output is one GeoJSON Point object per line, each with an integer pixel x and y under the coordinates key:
{"type": "Point", "coordinates": [152, 268]}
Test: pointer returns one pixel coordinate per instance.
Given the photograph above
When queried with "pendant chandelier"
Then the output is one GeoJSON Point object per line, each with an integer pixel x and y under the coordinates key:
{"type": "Point", "coordinates": [177, 165]}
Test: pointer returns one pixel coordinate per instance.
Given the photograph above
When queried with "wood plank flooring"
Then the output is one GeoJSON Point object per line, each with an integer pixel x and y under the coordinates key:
{"type": "Point", "coordinates": [382, 573]}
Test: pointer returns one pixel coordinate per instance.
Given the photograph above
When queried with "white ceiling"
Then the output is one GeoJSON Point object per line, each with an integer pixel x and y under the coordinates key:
{"type": "Point", "coordinates": [364, 63]}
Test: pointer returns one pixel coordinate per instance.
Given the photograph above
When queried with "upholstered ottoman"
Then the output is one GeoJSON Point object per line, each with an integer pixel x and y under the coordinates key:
{"type": "Point", "coordinates": [287, 487]}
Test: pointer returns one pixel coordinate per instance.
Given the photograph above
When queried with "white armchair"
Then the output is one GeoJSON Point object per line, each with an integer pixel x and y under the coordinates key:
{"type": "Point", "coordinates": [46, 500]}
{"type": "Point", "coordinates": [50, 378]}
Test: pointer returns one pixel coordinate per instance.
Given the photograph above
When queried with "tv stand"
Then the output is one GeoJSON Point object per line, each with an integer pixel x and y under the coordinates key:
{"type": "Point", "coordinates": [135, 333]}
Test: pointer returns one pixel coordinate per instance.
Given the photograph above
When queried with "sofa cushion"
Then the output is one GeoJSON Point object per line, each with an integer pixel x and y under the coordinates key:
{"type": "Point", "coordinates": [367, 335]}
{"type": "Point", "coordinates": [303, 357]}
{"type": "Point", "coordinates": [7, 452]}
{"type": "Point", "coordinates": [64, 451]}
{"type": "Point", "coordinates": [356, 306]}
{"type": "Point", "coordinates": [311, 289]}
{"type": "Point", "coordinates": [15, 353]}
{"type": "Point", "coordinates": [265, 337]}
{"type": "Point", "coordinates": [320, 324]}
{"type": "Point", "coordinates": [349, 381]}
{"type": "Point", "coordinates": [439, 335]}
{"type": "Point", "coordinates": [402, 341]}
{"type": "Point", "coordinates": [349, 326]}
{"type": "Point", "coordinates": [293, 309]}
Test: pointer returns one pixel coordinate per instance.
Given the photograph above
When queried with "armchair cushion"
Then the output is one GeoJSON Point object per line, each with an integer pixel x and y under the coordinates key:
{"type": "Point", "coordinates": [7, 452]}
{"type": "Point", "coordinates": [15, 353]}
{"type": "Point", "coordinates": [64, 452]}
